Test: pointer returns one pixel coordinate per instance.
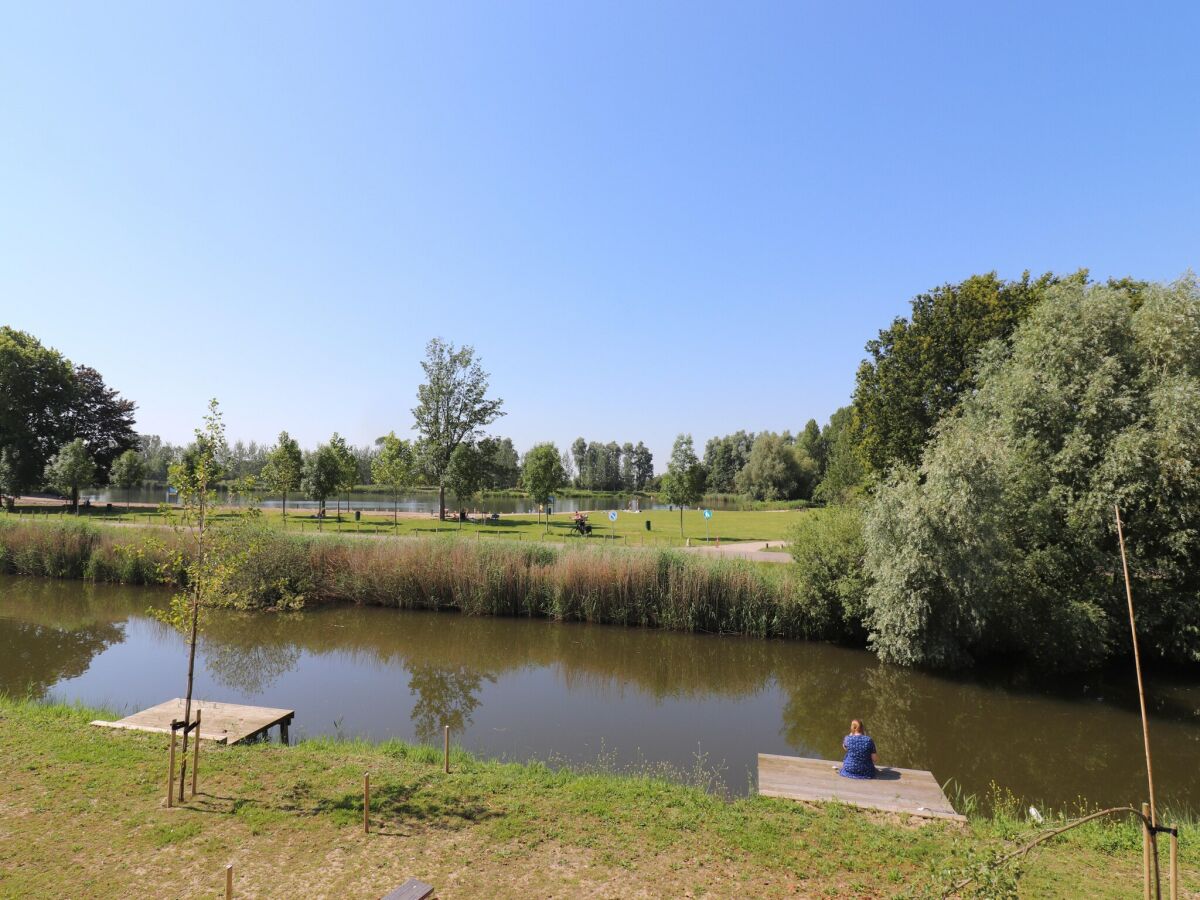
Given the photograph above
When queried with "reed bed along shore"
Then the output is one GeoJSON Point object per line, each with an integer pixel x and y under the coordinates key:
{"type": "Point", "coordinates": [264, 568]}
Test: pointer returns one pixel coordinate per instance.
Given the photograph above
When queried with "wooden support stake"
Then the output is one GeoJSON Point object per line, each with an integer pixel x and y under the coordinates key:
{"type": "Point", "coordinates": [1174, 844]}
{"type": "Point", "coordinates": [446, 735]}
{"type": "Point", "coordinates": [367, 803]}
{"type": "Point", "coordinates": [171, 770]}
{"type": "Point", "coordinates": [196, 753]}
{"type": "Point", "coordinates": [1145, 852]}
{"type": "Point", "coordinates": [229, 882]}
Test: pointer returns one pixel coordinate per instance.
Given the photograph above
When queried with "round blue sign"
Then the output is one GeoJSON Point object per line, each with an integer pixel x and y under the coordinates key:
{"type": "Point", "coordinates": [612, 516]}
{"type": "Point", "coordinates": [708, 514]}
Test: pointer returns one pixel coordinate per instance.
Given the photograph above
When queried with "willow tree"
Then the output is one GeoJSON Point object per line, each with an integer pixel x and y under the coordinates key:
{"type": "Point", "coordinates": [452, 408]}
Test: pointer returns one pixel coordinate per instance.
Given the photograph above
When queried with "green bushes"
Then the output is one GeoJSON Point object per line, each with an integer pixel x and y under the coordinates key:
{"type": "Point", "coordinates": [71, 549]}
{"type": "Point", "coordinates": [828, 548]}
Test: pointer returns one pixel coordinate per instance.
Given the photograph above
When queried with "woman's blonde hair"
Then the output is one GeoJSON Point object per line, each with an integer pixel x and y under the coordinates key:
{"type": "Point", "coordinates": [857, 726]}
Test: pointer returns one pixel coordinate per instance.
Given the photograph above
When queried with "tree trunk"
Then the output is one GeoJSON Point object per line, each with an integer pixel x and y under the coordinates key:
{"type": "Point", "coordinates": [285, 504]}
{"type": "Point", "coordinates": [681, 520]}
{"type": "Point", "coordinates": [75, 499]}
{"type": "Point", "coordinates": [442, 502]}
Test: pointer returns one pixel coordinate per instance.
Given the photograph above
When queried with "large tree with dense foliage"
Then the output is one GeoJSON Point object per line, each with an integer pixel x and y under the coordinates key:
{"type": "Point", "coordinates": [71, 468]}
{"type": "Point", "coordinates": [724, 457]}
{"type": "Point", "coordinates": [36, 387]}
{"type": "Point", "coordinates": [776, 470]}
{"type": "Point", "coordinates": [842, 473]}
{"type": "Point", "coordinates": [1003, 541]}
{"type": "Point", "coordinates": [919, 367]}
{"type": "Point", "coordinates": [284, 469]}
{"type": "Point", "coordinates": [101, 417]}
{"type": "Point", "coordinates": [452, 407]}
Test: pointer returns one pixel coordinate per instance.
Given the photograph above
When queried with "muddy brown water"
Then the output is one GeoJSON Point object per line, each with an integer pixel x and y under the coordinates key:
{"type": "Point", "coordinates": [619, 698]}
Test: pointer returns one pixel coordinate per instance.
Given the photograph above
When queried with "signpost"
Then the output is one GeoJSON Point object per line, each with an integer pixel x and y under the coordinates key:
{"type": "Point", "coordinates": [612, 527]}
{"type": "Point", "coordinates": [707, 516]}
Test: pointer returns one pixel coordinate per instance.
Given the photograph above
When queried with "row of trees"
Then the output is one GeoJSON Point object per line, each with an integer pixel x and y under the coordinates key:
{"type": "Point", "coordinates": [611, 466]}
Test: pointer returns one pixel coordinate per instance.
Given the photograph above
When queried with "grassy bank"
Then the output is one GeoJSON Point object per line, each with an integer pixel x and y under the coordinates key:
{"type": "Point", "coordinates": [81, 814]}
{"type": "Point", "coordinates": [267, 568]}
{"type": "Point", "coordinates": [629, 529]}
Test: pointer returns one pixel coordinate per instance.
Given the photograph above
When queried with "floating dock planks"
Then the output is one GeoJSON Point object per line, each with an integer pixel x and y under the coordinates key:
{"type": "Point", "coordinates": [911, 792]}
{"type": "Point", "coordinates": [225, 723]}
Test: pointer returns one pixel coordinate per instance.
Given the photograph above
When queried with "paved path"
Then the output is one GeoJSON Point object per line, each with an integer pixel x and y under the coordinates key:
{"type": "Point", "coordinates": [755, 551]}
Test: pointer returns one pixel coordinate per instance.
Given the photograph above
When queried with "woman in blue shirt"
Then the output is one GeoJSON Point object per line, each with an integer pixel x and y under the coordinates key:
{"type": "Point", "coordinates": [861, 755]}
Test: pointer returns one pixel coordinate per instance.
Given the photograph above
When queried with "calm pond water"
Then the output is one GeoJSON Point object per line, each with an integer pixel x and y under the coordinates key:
{"type": "Point", "coordinates": [584, 694]}
{"type": "Point", "coordinates": [413, 501]}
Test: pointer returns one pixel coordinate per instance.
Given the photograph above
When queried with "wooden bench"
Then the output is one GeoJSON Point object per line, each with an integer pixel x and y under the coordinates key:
{"type": "Point", "coordinates": [411, 890]}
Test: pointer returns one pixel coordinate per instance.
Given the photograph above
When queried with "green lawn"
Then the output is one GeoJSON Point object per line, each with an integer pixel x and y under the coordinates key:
{"type": "Point", "coordinates": [629, 529]}
{"type": "Point", "coordinates": [82, 815]}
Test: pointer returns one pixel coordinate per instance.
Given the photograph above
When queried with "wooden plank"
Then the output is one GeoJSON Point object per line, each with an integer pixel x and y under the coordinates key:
{"type": "Point", "coordinates": [906, 791]}
{"type": "Point", "coordinates": [411, 890]}
{"type": "Point", "coordinates": [222, 722]}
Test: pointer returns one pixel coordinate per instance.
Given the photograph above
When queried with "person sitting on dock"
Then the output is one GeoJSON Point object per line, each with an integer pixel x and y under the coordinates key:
{"type": "Point", "coordinates": [861, 755]}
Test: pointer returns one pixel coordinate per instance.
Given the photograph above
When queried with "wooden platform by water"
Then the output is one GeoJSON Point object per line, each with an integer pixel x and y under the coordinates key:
{"type": "Point", "coordinates": [908, 791]}
{"type": "Point", "coordinates": [225, 723]}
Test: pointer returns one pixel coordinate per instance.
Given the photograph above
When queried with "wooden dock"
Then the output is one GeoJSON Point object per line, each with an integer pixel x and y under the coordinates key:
{"type": "Point", "coordinates": [225, 723]}
{"type": "Point", "coordinates": [911, 792]}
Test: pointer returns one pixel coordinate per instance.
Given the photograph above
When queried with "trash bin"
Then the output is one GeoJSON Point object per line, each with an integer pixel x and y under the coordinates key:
{"type": "Point", "coordinates": [647, 524]}
{"type": "Point", "coordinates": [357, 515]}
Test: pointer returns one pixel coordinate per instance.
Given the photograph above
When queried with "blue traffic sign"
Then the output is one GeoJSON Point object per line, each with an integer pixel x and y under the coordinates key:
{"type": "Point", "coordinates": [612, 516]}
{"type": "Point", "coordinates": [708, 514]}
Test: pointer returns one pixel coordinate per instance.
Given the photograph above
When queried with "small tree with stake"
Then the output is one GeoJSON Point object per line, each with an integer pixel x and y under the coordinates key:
{"type": "Point", "coordinates": [394, 467]}
{"type": "Point", "coordinates": [195, 477]}
{"type": "Point", "coordinates": [683, 483]}
{"type": "Point", "coordinates": [128, 472]}
{"type": "Point", "coordinates": [284, 468]}
{"type": "Point", "coordinates": [70, 469]}
{"type": "Point", "coordinates": [542, 472]}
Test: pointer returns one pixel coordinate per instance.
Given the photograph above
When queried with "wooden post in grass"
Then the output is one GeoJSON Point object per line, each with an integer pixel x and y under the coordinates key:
{"type": "Point", "coordinates": [171, 770]}
{"type": "Point", "coordinates": [229, 882]}
{"type": "Point", "coordinates": [446, 735]}
{"type": "Point", "coordinates": [367, 803]}
{"type": "Point", "coordinates": [196, 753]}
{"type": "Point", "coordinates": [1146, 893]}
{"type": "Point", "coordinates": [1174, 844]}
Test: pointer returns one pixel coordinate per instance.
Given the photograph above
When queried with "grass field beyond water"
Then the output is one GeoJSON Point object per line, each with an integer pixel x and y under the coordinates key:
{"type": "Point", "coordinates": [628, 530]}
{"type": "Point", "coordinates": [82, 815]}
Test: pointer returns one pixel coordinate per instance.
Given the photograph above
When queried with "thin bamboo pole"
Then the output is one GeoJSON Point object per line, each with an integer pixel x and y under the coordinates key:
{"type": "Point", "coordinates": [1137, 662]}
{"type": "Point", "coordinates": [1145, 852]}
{"type": "Point", "coordinates": [1174, 844]}
{"type": "Point", "coordinates": [171, 770]}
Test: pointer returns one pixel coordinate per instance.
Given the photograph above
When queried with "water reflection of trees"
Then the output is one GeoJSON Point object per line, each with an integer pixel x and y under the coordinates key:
{"type": "Point", "coordinates": [34, 658]}
{"type": "Point", "coordinates": [444, 696]}
{"type": "Point", "coordinates": [52, 630]}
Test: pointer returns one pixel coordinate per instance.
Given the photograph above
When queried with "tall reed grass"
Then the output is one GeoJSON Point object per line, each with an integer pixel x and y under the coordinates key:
{"type": "Point", "coordinates": [652, 588]}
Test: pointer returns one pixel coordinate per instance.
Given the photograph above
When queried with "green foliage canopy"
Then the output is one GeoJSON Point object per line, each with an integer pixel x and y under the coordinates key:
{"type": "Point", "coordinates": [542, 472]}
{"type": "Point", "coordinates": [920, 366]}
{"type": "Point", "coordinates": [1004, 539]}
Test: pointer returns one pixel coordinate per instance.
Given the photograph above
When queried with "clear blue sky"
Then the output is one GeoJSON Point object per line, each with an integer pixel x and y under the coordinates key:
{"type": "Point", "coordinates": [647, 218]}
